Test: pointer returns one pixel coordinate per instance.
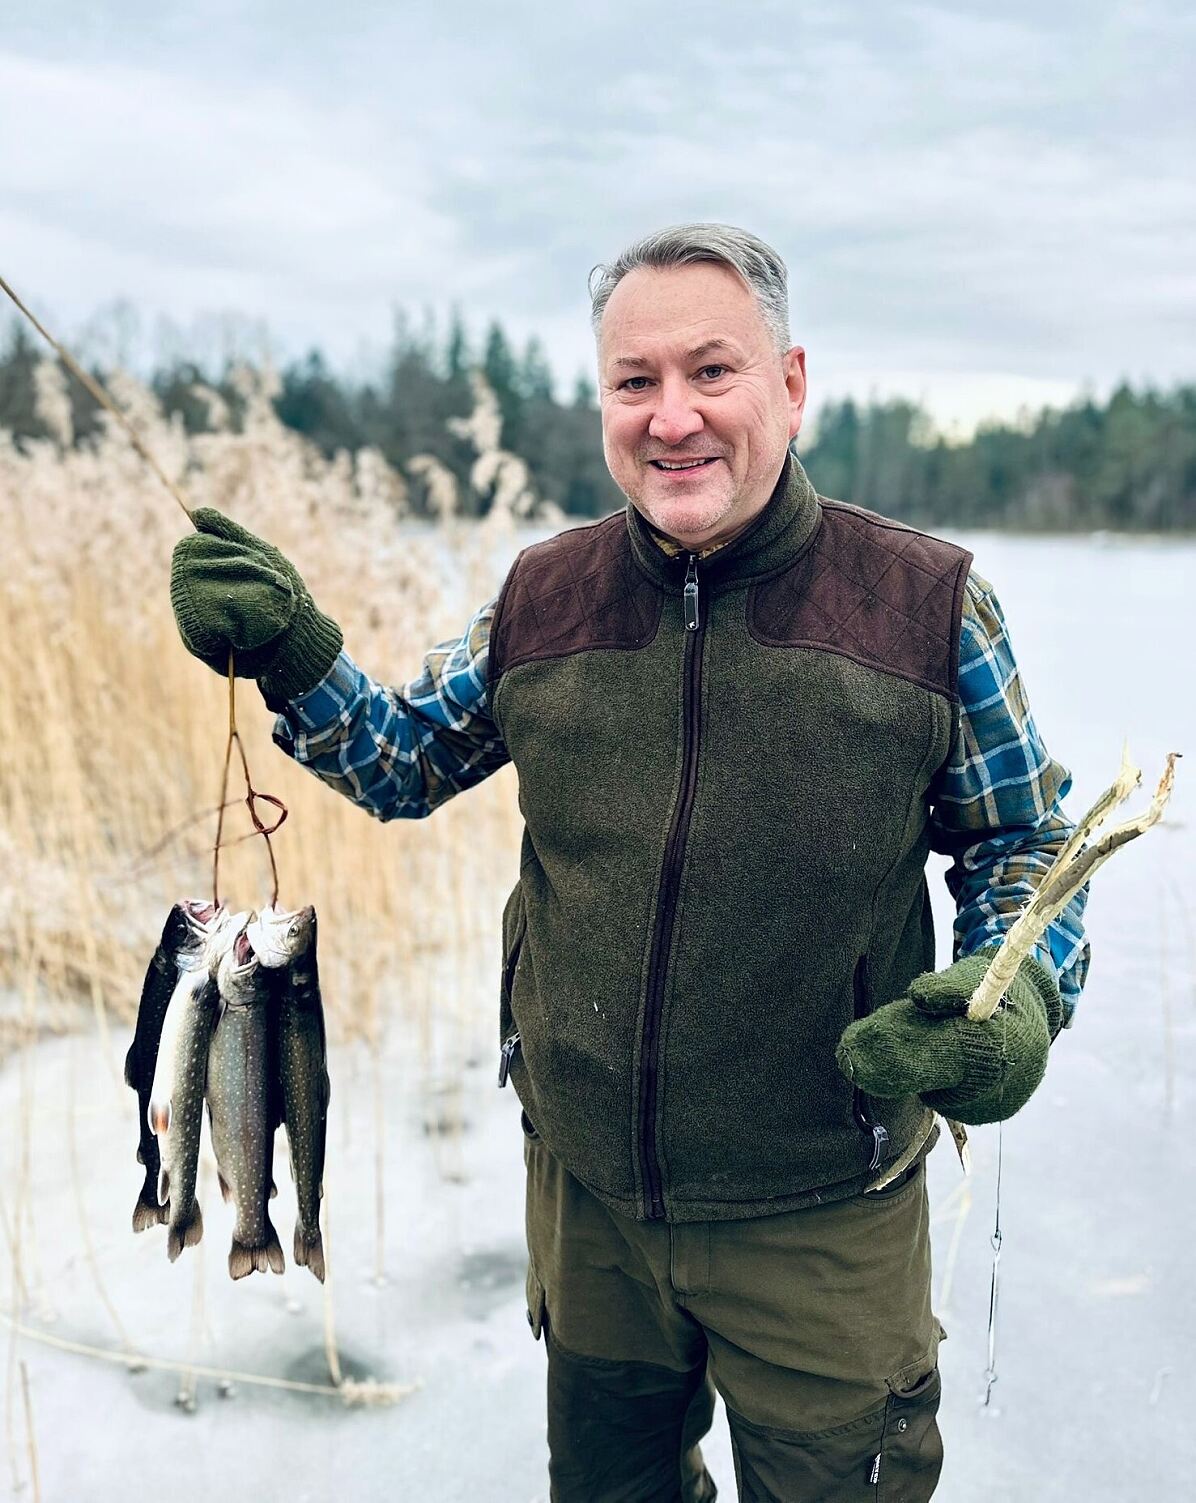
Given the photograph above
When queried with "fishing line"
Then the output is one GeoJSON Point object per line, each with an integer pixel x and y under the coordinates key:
{"type": "Point", "coordinates": [251, 797]}
{"type": "Point", "coordinates": [101, 396]}
{"type": "Point", "coordinates": [990, 1372]}
{"type": "Point", "coordinates": [995, 1241]}
{"type": "Point", "coordinates": [96, 389]}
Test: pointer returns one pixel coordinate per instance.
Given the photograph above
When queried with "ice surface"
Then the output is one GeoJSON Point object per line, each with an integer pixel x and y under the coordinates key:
{"type": "Point", "coordinates": [1097, 1315]}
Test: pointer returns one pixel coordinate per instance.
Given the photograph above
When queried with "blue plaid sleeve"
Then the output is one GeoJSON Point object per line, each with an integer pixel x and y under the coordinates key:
{"type": "Point", "coordinates": [401, 753]}
{"type": "Point", "coordinates": [996, 803]}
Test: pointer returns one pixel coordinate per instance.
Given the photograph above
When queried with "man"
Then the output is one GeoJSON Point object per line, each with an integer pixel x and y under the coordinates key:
{"type": "Point", "coordinates": [741, 717]}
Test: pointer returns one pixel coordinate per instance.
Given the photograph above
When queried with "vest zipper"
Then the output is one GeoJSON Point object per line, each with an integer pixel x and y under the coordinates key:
{"type": "Point", "coordinates": [880, 1134]}
{"type": "Point", "coordinates": [693, 617]}
{"type": "Point", "coordinates": [653, 1200]}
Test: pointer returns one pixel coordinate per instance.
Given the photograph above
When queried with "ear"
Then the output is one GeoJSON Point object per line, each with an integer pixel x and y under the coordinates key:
{"type": "Point", "coordinates": [793, 367]}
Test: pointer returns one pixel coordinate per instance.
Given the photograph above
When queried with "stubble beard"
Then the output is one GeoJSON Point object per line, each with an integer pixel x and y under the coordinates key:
{"type": "Point", "coordinates": [681, 515]}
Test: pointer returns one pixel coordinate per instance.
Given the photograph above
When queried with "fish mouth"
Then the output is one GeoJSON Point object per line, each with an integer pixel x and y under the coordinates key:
{"type": "Point", "coordinates": [243, 950]}
{"type": "Point", "coordinates": [202, 911]}
{"type": "Point", "coordinates": [205, 921]}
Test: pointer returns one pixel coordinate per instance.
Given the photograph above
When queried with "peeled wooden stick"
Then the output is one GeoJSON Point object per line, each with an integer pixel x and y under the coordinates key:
{"type": "Point", "coordinates": [1071, 869]}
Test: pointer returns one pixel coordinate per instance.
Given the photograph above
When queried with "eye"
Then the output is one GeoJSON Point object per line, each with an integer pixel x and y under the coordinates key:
{"type": "Point", "coordinates": [719, 370]}
{"type": "Point", "coordinates": [629, 384]}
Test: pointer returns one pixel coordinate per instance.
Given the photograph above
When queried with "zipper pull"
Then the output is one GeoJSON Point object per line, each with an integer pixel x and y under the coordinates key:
{"type": "Point", "coordinates": [692, 618]}
{"type": "Point", "coordinates": [504, 1063]}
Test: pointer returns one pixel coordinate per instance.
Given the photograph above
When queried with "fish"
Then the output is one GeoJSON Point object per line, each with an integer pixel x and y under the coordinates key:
{"type": "Point", "coordinates": [277, 935]}
{"type": "Point", "coordinates": [175, 1109]}
{"type": "Point", "coordinates": [156, 990]}
{"type": "Point", "coordinates": [242, 1098]}
{"type": "Point", "coordinates": [303, 1070]}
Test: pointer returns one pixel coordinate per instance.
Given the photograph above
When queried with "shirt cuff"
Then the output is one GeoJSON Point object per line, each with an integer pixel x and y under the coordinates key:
{"type": "Point", "coordinates": [322, 708]}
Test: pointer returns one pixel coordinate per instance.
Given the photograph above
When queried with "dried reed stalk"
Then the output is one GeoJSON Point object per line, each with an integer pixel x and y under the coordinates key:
{"type": "Point", "coordinates": [30, 1435]}
{"type": "Point", "coordinates": [1071, 869]}
{"type": "Point", "coordinates": [365, 1392]}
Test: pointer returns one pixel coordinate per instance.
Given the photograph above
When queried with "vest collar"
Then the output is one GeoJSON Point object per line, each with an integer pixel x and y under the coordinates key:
{"type": "Point", "coordinates": [770, 543]}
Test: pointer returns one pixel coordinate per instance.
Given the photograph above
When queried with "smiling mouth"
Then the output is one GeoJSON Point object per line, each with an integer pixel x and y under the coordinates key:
{"type": "Point", "coordinates": [670, 466]}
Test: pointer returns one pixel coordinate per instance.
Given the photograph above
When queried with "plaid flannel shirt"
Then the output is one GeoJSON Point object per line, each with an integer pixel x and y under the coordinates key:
{"type": "Point", "coordinates": [400, 753]}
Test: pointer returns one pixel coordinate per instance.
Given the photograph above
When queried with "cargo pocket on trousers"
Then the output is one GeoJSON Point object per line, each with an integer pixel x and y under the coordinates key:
{"type": "Point", "coordinates": [911, 1449]}
{"type": "Point", "coordinates": [535, 1302]}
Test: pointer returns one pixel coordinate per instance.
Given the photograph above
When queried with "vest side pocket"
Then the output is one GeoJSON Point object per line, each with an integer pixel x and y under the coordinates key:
{"type": "Point", "coordinates": [876, 1131]}
{"type": "Point", "coordinates": [514, 931]}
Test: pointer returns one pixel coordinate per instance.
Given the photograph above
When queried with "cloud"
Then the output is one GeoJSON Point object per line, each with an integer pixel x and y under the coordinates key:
{"type": "Point", "coordinates": [959, 192]}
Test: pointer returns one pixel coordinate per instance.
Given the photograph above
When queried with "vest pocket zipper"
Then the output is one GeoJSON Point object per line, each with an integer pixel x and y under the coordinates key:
{"type": "Point", "coordinates": [859, 1110]}
{"type": "Point", "coordinates": [512, 1040]}
{"type": "Point", "coordinates": [504, 1059]}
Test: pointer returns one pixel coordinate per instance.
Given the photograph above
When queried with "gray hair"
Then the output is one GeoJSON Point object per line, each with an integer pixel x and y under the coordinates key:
{"type": "Point", "coordinates": [756, 263]}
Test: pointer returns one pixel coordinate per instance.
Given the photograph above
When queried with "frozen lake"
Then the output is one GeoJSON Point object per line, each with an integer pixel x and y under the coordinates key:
{"type": "Point", "coordinates": [1097, 1316]}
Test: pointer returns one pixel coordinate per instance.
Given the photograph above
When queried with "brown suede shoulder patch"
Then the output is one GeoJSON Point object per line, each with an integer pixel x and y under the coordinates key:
{"type": "Point", "coordinates": [874, 590]}
{"type": "Point", "coordinates": [572, 593]}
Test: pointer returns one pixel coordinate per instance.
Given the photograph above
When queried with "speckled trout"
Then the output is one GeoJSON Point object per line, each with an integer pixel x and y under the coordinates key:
{"type": "Point", "coordinates": [242, 1092]}
{"type": "Point", "coordinates": [157, 989]}
{"type": "Point", "coordinates": [303, 1067]}
{"type": "Point", "coordinates": [175, 1109]}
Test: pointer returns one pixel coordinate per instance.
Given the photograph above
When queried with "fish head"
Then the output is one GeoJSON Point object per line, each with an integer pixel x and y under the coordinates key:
{"type": "Point", "coordinates": [236, 966]}
{"type": "Point", "coordinates": [280, 934]}
{"type": "Point", "coordinates": [204, 920]}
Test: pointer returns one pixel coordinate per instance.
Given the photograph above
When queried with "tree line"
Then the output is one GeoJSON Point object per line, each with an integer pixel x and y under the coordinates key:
{"type": "Point", "coordinates": [1128, 463]}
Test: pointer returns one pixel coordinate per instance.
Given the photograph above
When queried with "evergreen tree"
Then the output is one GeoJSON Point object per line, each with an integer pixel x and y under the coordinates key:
{"type": "Point", "coordinates": [315, 404]}
{"type": "Point", "coordinates": [502, 372]}
{"type": "Point", "coordinates": [535, 374]}
{"type": "Point", "coordinates": [456, 353]}
{"type": "Point", "coordinates": [585, 393]}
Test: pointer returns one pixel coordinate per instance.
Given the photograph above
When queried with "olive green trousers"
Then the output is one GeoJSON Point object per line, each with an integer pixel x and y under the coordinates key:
{"type": "Point", "coordinates": [814, 1326]}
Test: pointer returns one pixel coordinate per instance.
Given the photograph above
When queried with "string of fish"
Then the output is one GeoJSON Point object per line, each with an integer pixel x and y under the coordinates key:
{"type": "Point", "coordinates": [230, 1015]}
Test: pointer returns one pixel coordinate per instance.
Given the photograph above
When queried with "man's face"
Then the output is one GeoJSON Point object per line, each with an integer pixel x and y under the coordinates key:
{"type": "Point", "coordinates": [688, 371]}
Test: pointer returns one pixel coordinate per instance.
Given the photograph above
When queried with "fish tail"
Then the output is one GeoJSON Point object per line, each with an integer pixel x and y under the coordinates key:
{"type": "Point", "coordinates": [309, 1250]}
{"type": "Point", "coordinates": [147, 1212]}
{"type": "Point", "coordinates": [185, 1232]}
{"type": "Point", "coordinates": [273, 1249]}
{"type": "Point", "coordinates": [264, 1257]}
{"type": "Point", "coordinates": [242, 1259]}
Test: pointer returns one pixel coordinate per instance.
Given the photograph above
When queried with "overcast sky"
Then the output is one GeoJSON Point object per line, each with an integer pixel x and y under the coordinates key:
{"type": "Point", "coordinates": [981, 205]}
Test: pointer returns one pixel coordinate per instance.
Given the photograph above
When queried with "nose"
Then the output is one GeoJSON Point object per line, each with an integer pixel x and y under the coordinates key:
{"type": "Point", "coordinates": [674, 415]}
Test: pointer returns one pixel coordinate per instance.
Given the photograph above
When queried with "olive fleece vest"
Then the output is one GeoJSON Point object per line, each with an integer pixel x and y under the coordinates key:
{"type": "Point", "coordinates": [724, 767]}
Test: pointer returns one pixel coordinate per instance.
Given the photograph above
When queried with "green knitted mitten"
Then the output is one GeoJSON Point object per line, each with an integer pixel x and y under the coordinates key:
{"type": "Point", "coordinates": [924, 1045]}
{"type": "Point", "coordinates": [229, 589]}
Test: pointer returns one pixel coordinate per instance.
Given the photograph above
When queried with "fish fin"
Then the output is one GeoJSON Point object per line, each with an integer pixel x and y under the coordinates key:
{"type": "Point", "coordinates": [273, 1249]}
{"type": "Point", "coordinates": [158, 1117]}
{"type": "Point", "coordinates": [163, 1185]}
{"type": "Point", "coordinates": [309, 1251]}
{"type": "Point", "coordinates": [141, 1158]}
{"type": "Point", "coordinates": [273, 1189]}
{"type": "Point", "coordinates": [147, 1212]}
{"type": "Point", "coordinates": [264, 1257]}
{"type": "Point", "coordinates": [185, 1232]}
{"type": "Point", "coordinates": [241, 1260]}
{"type": "Point", "coordinates": [130, 1066]}
{"type": "Point", "coordinates": [226, 1193]}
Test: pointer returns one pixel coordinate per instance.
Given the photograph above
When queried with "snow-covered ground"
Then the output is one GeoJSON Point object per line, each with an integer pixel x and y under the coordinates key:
{"type": "Point", "coordinates": [1097, 1317]}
